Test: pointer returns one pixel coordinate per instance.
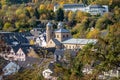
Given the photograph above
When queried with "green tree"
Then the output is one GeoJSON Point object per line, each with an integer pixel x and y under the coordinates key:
{"type": "Point", "coordinates": [60, 14]}
{"type": "Point", "coordinates": [27, 13]}
{"type": "Point", "coordinates": [36, 14]}
{"type": "Point", "coordinates": [108, 49]}
{"type": "Point", "coordinates": [104, 21]}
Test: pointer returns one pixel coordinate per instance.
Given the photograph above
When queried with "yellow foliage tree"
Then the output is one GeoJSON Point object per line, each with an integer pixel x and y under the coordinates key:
{"type": "Point", "coordinates": [93, 33]}
{"type": "Point", "coordinates": [29, 8]}
{"type": "Point", "coordinates": [19, 11]}
{"type": "Point", "coordinates": [80, 16]}
{"type": "Point", "coordinates": [42, 7]}
{"type": "Point", "coordinates": [70, 16]}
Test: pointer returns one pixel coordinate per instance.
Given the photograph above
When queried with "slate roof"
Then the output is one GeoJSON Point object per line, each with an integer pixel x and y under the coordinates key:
{"type": "Point", "coordinates": [59, 52]}
{"type": "Point", "coordinates": [61, 30]}
{"type": "Point", "coordinates": [56, 41]}
{"type": "Point", "coordinates": [73, 5]}
{"type": "Point", "coordinates": [25, 48]}
{"type": "Point", "coordinates": [15, 48]}
{"type": "Point", "coordinates": [29, 62]}
{"type": "Point", "coordinates": [79, 41]}
{"type": "Point", "coordinates": [9, 38]}
{"type": "Point", "coordinates": [26, 34]}
{"type": "Point", "coordinates": [96, 6]}
{"type": "Point", "coordinates": [16, 38]}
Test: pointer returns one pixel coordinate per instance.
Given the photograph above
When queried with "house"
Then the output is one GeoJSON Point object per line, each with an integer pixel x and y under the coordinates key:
{"type": "Point", "coordinates": [77, 43]}
{"type": "Point", "coordinates": [41, 40]}
{"type": "Point", "coordinates": [13, 39]}
{"type": "Point", "coordinates": [92, 9]}
{"type": "Point", "coordinates": [10, 68]}
{"type": "Point", "coordinates": [47, 74]}
{"type": "Point", "coordinates": [64, 55]}
{"type": "Point", "coordinates": [29, 63]}
{"type": "Point", "coordinates": [70, 7]}
{"type": "Point", "coordinates": [54, 43]}
{"type": "Point", "coordinates": [58, 54]}
{"type": "Point", "coordinates": [38, 30]}
{"type": "Point", "coordinates": [96, 9]}
{"type": "Point", "coordinates": [20, 52]}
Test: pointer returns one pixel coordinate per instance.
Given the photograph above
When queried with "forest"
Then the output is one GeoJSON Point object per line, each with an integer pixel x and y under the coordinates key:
{"type": "Point", "coordinates": [23, 15]}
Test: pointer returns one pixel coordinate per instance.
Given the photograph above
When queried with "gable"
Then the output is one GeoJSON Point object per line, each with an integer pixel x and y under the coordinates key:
{"type": "Point", "coordinates": [20, 52]}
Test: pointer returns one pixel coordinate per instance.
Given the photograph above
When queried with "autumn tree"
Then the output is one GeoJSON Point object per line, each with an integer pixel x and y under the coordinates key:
{"type": "Point", "coordinates": [104, 21]}
{"type": "Point", "coordinates": [70, 16]}
{"type": "Point", "coordinates": [108, 49]}
{"type": "Point", "coordinates": [80, 16]}
{"type": "Point", "coordinates": [7, 26]}
{"type": "Point", "coordinates": [93, 33]}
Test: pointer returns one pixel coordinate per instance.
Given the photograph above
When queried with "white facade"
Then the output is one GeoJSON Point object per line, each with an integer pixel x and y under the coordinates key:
{"type": "Point", "coordinates": [11, 68]}
{"type": "Point", "coordinates": [92, 9]}
{"type": "Point", "coordinates": [96, 9]}
{"type": "Point", "coordinates": [47, 74]}
{"type": "Point", "coordinates": [40, 41]}
{"type": "Point", "coordinates": [20, 55]}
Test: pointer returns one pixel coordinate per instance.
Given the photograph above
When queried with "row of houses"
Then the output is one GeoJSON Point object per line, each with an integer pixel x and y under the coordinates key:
{"type": "Point", "coordinates": [92, 9]}
{"type": "Point", "coordinates": [21, 43]}
{"type": "Point", "coordinates": [60, 38]}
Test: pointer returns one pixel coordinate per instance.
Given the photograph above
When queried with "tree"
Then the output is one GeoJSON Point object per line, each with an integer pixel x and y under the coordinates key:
{"type": "Point", "coordinates": [104, 21]}
{"type": "Point", "coordinates": [7, 26]}
{"type": "Point", "coordinates": [50, 15]}
{"type": "Point", "coordinates": [42, 7]}
{"type": "Point", "coordinates": [27, 13]}
{"type": "Point", "coordinates": [80, 16]}
{"type": "Point", "coordinates": [108, 49]}
{"type": "Point", "coordinates": [93, 33]}
{"type": "Point", "coordinates": [60, 14]}
{"type": "Point", "coordinates": [1, 23]}
{"type": "Point", "coordinates": [70, 16]}
{"type": "Point", "coordinates": [36, 14]}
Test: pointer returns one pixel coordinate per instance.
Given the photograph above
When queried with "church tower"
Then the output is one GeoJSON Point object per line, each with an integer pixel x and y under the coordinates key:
{"type": "Point", "coordinates": [49, 31]}
{"type": "Point", "coordinates": [62, 34]}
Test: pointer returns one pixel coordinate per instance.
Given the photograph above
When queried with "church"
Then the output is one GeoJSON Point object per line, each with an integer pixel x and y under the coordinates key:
{"type": "Point", "coordinates": [61, 38]}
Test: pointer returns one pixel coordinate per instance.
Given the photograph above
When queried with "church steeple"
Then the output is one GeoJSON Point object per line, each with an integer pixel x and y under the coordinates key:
{"type": "Point", "coordinates": [49, 31]}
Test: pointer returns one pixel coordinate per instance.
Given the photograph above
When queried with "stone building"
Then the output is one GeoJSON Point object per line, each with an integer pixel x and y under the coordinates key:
{"type": "Point", "coordinates": [62, 38]}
